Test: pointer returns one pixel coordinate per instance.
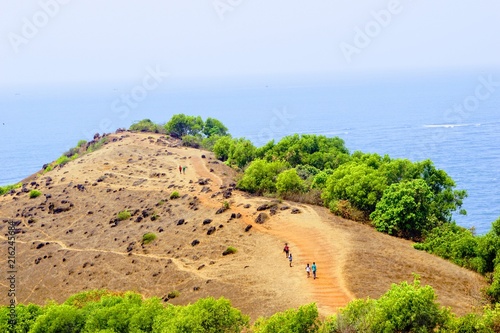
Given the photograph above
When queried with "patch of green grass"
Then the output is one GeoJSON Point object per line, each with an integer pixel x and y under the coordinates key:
{"type": "Point", "coordinates": [7, 188]}
{"type": "Point", "coordinates": [95, 146]}
{"type": "Point", "coordinates": [62, 160]}
{"type": "Point", "coordinates": [226, 205]}
{"type": "Point", "coordinates": [174, 195]}
{"type": "Point", "coordinates": [230, 250]}
{"type": "Point", "coordinates": [48, 168]}
{"type": "Point", "coordinates": [148, 238]}
{"type": "Point", "coordinates": [81, 143]}
{"type": "Point", "coordinates": [35, 194]}
{"type": "Point", "coordinates": [124, 215]}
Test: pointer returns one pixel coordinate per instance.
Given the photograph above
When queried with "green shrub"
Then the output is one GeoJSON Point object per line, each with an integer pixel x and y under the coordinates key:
{"type": "Point", "coordinates": [404, 209]}
{"type": "Point", "coordinates": [289, 181]}
{"type": "Point", "coordinates": [206, 315]}
{"type": "Point", "coordinates": [260, 176]}
{"type": "Point", "coordinates": [81, 143]}
{"type": "Point", "coordinates": [148, 238]}
{"type": "Point", "coordinates": [175, 195]}
{"type": "Point", "coordinates": [230, 250]}
{"type": "Point", "coordinates": [48, 168]}
{"type": "Point", "coordinates": [404, 308]}
{"type": "Point", "coordinates": [124, 215]}
{"type": "Point", "coordinates": [59, 319]}
{"type": "Point", "coordinates": [146, 125]}
{"type": "Point", "coordinates": [303, 320]}
{"type": "Point", "coordinates": [97, 145]}
{"type": "Point", "coordinates": [193, 141]}
{"type": "Point", "coordinates": [180, 125]}
{"type": "Point", "coordinates": [35, 194]}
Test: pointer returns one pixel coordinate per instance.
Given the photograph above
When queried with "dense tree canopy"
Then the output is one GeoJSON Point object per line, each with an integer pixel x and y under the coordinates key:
{"type": "Point", "coordinates": [180, 125]}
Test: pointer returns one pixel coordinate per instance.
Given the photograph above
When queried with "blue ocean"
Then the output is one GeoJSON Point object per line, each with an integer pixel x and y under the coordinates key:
{"type": "Point", "coordinates": [454, 120]}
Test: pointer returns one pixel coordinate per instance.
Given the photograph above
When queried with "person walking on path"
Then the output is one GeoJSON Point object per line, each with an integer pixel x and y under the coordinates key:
{"type": "Point", "coordinates": [180, 169]}
{"type": "Point", "coordinates": [313, 268]}
{"type": "Point", "coordinates": [308, 270]}
{"type": "Point", "coordinates": [286, 249]}
{"type": "Point", "coordinates": [184, 169]}
{"type": "Point", "coordinates": [290, 259]}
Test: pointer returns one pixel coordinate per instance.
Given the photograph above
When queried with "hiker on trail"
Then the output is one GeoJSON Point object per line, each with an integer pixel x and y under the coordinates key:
{"type": "Point", "coordinates": [286, 249]}
{"type": "Point", "coordinates": [290, 259]}
{"type": "Point", "coordinates": [308, 270]}
{"type": "Point", "coordinates": [184, 169]}
{"type": "Point", "coordinates": [180, 169]}
{"type": "Point", "coordinates": [313, 268]}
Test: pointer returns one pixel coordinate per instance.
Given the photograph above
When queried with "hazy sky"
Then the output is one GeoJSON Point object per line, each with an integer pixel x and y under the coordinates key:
{"type": "Point", "coordinates": [89, 41]}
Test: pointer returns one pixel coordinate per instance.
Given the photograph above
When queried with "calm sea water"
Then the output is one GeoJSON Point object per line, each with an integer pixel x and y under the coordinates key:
{"type": "Point", "coordinates": [452, 120]}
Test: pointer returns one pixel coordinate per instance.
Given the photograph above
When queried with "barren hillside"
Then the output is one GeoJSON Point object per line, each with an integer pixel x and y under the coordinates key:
{"type": "Point", "coordinates": [72, 240]}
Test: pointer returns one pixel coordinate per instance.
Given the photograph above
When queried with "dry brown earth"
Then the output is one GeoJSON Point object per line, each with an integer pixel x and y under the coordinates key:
{"type": "Point", "coordinates": [70, 240]}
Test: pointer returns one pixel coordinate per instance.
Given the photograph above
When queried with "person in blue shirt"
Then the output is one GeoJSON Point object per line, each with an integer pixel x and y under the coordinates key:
{"type": "Point", "coordinates": [313, 268]}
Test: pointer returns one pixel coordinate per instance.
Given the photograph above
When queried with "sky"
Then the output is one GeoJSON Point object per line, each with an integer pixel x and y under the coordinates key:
{"type": "Point", "coordinates": [92, 42]}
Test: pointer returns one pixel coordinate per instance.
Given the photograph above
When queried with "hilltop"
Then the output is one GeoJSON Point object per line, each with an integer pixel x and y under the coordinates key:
{"type": "Point", "coordinates": [72, 238]}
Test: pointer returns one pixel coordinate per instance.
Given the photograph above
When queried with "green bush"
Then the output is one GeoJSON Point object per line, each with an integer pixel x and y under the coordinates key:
{"type": "Point", "coordinates": [59, 319]}
{"type": "Point", "coordinates": [180, 125]}
{"type": "Point", "coordinates": [146, 125]}
{"type": "Point", "coordinates": [81, 143]}
{"type": "Point", "coordinates": [260, 176]}
{"type": "Point", "coordinates": [230, 250]}
{"type": "Point", "coordinates": [214, 127]}
{"type": "Point", "coordinates": [303, 320]}
{"type": "Point", "coordinates": [35, 194]}
{"type": "Point", "coordinates": [289, 181]}
{"type": "Point", "coordinates": [193, 141]}
{"type": "Point", "coordinates": [404, 308]}
{"type": "Point", "coordinates": [404, 209]}
{"type": "Point", "coordinates": [124, 215]}
{"type": "Point", "coordinates": [175, 195]}
{"type": "Point", "coordinates": [206, 315]}
{"type": "Point", "coordinates": [148, 238]}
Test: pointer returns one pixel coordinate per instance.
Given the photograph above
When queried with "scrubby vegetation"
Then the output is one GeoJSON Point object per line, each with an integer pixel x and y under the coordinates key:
{"type": "Point", "coordinates": [148, 238]}
{"type": "Point", "coordinates": [124, 215]}
{"type": "Point", "coordinates": [406, 307]}
{"type": "Point", "coordinates": [8, 188]}
{"type": "Point", "coordinates": [146, 125]}
{"type": "Point", "coordinates": [35, 194]}
{"type": "Point", "coordinates": [175, 195]}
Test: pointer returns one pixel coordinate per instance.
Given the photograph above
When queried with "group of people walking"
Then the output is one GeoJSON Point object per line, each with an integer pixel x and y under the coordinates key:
{"type": "Point", "coordinates": [309, 269]}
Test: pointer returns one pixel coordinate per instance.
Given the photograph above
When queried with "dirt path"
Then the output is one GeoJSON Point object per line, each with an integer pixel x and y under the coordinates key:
{"type": "Point", "coordinates": [311, 240]}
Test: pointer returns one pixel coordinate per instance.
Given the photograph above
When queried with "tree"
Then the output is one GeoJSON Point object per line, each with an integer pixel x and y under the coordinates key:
{"type": "Point", "coordinates": [289, 181]}
{"type": "Point", "coordinates": [59, 319]}
{"type": "Point", "coordinates": [358, 183]}
{"type": "Point", "coordinates": [214, 127]}
{"type": "Point", "coordinates": [404, 209]}
{"type": "Point", "coordinates": [446, 199]}
{"type": "Point", "coordinates": [222, 148]}
{"type": "Point", "coordinates": [180, 125]}
{"type": "Point", "coordinates": [260, 176]}
{"type": "Point", "coordinates": [242, 152]}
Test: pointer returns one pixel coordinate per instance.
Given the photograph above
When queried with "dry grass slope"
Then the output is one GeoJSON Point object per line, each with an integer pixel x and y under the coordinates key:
{"type": "Point", "coordinates": [71, 238]}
